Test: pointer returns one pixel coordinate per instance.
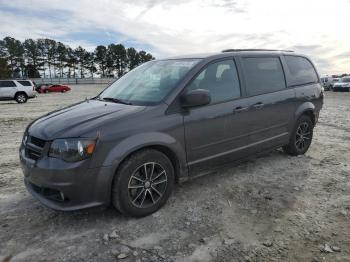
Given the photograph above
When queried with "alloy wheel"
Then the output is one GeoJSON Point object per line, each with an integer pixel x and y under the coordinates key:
{"type": "Point", "coordinates": [21, 98]}
{"type": "Point", "coordinates": [303, 136]}
{"type": "Point", "coordinates": [147, 185]}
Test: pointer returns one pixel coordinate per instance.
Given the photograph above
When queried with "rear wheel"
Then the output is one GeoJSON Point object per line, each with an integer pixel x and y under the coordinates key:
{"type": "Point", "coordinates": [21, 98]}
{"type": "Point", "coordinates": [301, 137]}
{"type": "Point", "coordinates": [143, 183]}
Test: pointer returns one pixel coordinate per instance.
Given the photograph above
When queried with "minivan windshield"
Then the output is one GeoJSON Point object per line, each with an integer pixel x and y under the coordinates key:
{"type": "Point", "coordinates": [345, 80]}
{"type": "Point", "coordinates": [149, 83]}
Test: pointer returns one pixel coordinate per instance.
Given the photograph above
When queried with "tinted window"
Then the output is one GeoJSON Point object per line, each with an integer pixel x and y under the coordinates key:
{"type": "Point", "coordinates": [220, 79]}
{"type": "Point", "coordinates": [24, 83]}
{"type": "Point", "coordinates": [7, 84]}
{"type": "Point", "coordinates": [301, 71]}
{"type": "Point", "coordinates": [263, 75]}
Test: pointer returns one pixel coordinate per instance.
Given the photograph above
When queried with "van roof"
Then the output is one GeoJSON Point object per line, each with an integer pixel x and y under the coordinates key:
{"type": "Point", "coordinates": [227, 52]}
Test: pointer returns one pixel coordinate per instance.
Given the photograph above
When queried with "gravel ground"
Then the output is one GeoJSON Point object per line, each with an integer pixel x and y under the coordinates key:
{"type": "Point", "coordinates": [271, 208]}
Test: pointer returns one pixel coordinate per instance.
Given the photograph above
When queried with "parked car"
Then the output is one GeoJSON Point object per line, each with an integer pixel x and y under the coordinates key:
{"type": "Point", "coordinates": [18, 90]}
{"type": "Point", "coordinates": [343, 84]}
{"type": "Point", "coordinates": [39, 88]}
{"type": "Point", "coordinates": [335, 80]}
{"type": "Point", "coordinates": [327, 82]}
{"type": "Point", "coordinates": [53, 88]}
{"type": "Point", "coordinates": [167, 121]}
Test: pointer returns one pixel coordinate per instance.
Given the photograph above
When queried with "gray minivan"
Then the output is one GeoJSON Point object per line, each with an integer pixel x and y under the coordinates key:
{"type": "Point", "coordinates": [169, 120]}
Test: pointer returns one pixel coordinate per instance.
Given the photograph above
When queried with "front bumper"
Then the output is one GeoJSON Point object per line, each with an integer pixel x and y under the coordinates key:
{"type": "Point", "coordinates": [66, 186]}
{"type": "Point", "coordinates": [341, 88]}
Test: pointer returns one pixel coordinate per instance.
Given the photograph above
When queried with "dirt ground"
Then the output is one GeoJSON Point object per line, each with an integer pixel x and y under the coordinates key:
{"type": "Point", "coordinates": [270, 208]}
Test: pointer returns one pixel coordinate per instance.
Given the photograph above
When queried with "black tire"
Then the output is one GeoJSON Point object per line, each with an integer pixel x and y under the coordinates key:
{"type": "Point", "coordinates": [131, 194]}
{"type": "Point", "coordinates": [21, 97]}
{"type": "Point", "coordinates": [301, 137]}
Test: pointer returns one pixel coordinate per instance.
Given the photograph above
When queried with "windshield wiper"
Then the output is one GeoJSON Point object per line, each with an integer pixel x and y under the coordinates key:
{"type": "Point", "coordinates": [116, 100]}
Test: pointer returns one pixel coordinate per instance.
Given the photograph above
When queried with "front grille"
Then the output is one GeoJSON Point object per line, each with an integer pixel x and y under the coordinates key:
{"type": "Point", "coordinates": [34, 148]}
{"type": "Point", "coordinates": [33, 154]}
{"type": "Point", "coordinates": [37, 141]}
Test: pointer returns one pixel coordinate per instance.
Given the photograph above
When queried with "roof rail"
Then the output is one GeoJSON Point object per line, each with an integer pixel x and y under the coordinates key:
{"type": "Point", "coordinates": [240, 50]}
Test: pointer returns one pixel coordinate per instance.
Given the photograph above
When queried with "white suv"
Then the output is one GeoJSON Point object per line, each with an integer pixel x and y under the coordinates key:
{"type": "Point", "coordinates": [19, 90]}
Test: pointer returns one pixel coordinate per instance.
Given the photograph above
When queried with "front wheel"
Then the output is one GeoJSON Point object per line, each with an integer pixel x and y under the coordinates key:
{"type": "Point", "coordinates": [301, 137]}
{"type": "Point", "coordinates": [143, 183]}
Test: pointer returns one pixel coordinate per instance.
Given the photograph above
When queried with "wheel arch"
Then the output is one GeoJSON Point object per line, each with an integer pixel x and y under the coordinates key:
{"type": "Point", "coordinates": [169, 153]}
{"type": "Point", "coordinates": [308, 109]}
{"type": "Point", "coordinates": [21, 92]}
{"type": "Point", "coordinates": [157, 141]}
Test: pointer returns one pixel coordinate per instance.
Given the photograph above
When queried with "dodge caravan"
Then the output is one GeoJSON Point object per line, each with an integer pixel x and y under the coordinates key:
{"type": "Point", "coordinates": [169, 120]}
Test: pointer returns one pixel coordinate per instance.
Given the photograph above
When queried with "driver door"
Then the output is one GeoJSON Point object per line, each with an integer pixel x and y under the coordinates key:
{"type": "Point", "coordinates": [215, 133]}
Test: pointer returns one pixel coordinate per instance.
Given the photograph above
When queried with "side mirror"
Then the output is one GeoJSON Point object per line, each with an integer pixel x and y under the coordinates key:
{"type": "Point", "coordinates": [198, 97]}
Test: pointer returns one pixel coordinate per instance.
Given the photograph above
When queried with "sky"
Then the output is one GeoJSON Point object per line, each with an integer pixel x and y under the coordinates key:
{"type": "Point", "coordinates": [317, 28]}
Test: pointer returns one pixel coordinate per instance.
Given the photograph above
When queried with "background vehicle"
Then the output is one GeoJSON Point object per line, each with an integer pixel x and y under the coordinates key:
{"type": "Point", "coordinates": [170, 120]}
{"type": "Point", "coordinates": [18, 90]}
{"type": "Point", "coordinates": [343, 84]}
{"type": "Point", "coordinates": [41, 87]}
{"type": "Point", "coordinates": [53, 88]}
{"type": "Point", "coordinates": [327, 82]}
{"type": "Point", "coordinates": [335, 80]}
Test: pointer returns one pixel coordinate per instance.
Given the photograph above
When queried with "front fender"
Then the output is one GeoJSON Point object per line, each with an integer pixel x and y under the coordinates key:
{"type": "Point", "coordinates": [136, 142]}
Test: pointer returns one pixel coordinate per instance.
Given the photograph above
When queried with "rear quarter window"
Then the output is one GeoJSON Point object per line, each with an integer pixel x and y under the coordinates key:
{"type": "Point", "coordinates": [7, 84]}
{"type": "Point", "coordinates": [24, 83]}
{"type": "Point", "coordinates": [263, 75]}
{"type": "Point", "coordinates": [301, 71]}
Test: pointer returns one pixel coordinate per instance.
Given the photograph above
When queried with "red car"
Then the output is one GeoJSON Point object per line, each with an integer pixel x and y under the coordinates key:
{"type": "Point", "coordinates": [53, 88]}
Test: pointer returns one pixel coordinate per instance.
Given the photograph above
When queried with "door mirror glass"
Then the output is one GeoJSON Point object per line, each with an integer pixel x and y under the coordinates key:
{"type": "Point", "coordinates": [198, 97]}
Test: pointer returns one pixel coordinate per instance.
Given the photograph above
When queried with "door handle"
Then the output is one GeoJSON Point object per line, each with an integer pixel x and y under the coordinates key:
{"type": "Point", "coordinates": [258, 105]}
{"type": "Point", "coordinates": [240, 109]}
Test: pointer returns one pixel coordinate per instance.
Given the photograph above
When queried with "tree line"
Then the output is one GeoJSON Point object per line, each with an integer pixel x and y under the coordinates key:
{"type": "Point", "coordinates": [53, 59]}
{"type": "Point", "coordinates": [340, 76]}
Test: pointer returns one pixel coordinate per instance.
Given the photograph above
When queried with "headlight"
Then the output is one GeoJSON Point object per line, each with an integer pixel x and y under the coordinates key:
{"type": "Point", "coordinates": [72, 150]}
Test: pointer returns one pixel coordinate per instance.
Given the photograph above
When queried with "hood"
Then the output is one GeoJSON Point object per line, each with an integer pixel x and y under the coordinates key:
{"type": "Point", "coordinates": [78, 119]}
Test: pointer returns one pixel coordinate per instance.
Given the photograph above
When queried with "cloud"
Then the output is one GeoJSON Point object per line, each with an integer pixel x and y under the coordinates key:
{"type": "Point", "coordinates": [229, 6]}
{"type": "Point", "coordinates": [172, 27]}
{"type": "Point", "coordinates": [344, 55]}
